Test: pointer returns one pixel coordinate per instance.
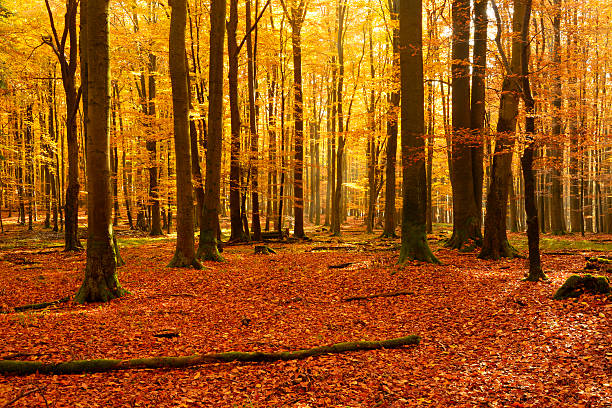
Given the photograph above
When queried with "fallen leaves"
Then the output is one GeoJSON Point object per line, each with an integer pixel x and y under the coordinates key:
{"type": "Point", "coordinates": [488, 338]}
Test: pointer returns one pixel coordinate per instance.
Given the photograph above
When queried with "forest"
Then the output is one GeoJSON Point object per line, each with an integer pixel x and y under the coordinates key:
{"type": "Point", "coordinates": [305, 203]}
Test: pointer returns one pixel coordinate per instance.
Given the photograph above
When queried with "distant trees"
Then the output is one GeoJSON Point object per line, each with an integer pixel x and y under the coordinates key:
{"type": "Point", "coordinates": [338, 73]}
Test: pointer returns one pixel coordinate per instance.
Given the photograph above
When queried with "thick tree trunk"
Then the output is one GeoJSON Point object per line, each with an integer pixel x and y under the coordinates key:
{"type": "Point", "coordinates": [414, 183]}
{"type": "Point", "coordinates": [466, 225]}
{"type": "Point", "coordinates": [209, 226]}
{"type": "Point", "coordinates": [184, 255]}
{"type": "Point", "coordinates": [100, 283]}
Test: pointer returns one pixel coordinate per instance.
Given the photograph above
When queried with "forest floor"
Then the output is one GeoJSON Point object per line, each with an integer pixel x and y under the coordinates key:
{"type": "Point", "coordinates": [488, 339]}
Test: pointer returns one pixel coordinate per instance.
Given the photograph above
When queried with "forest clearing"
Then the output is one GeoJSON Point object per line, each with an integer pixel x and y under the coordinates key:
{"type": "Point", "coordinates": [487, 338]}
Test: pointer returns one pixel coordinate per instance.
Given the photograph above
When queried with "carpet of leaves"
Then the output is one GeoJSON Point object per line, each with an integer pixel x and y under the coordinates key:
{"type": "Point", "coordinates": [488, 339]}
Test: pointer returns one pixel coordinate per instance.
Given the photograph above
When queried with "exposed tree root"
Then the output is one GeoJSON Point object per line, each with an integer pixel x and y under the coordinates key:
{"type": "Point", "coordinates": [379, 295]}
{"type": "Point", "coordinates": [97, 366]}
{"type": "Point", "coordinates": [44, 305]}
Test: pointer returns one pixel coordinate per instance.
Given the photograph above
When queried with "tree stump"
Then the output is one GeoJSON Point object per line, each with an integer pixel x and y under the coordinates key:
{"type": "Point", "coordinates": [263, 250]}
{"type": "Point", "coordinates": [576, 285]}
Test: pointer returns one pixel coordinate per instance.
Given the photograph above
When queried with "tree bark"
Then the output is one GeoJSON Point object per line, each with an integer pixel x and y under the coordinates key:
{"type": "Point", "coordinates": [557, 213]}
{"type": "Point", "coordinates": [392, 129]}
{"type": "Point", "coordinates": [533, 226]}
{"type": "Point", "coordinates": [237, 231]}
{"type": "Point", "coordinates": [184, 255]}
{"type": "Point", "coordinates": [208, 249]}
{"type": "Point", "coordinates": [495, 242]}
{"type": "Point", "coordinates": [298, 112]}
{"type": "Point", "coordinates": [256, 222]}
{"type": "Point", "coordinates": [100, 283]}
{"type": "Point", "coordinates": [466, 224]}
{"type": "Point", "coordinates": [414, 183]}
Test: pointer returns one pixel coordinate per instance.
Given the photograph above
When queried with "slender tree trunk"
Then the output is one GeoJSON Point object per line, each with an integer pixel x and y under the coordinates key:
{"type": "Point", "coordinates": [254, 169]}
{"type": "Point", "coordinates": [392, 129]}
{"type": "Point", "coordinates": [556, 144]}
{"type": "Point", "coordinates": [533, 232]}
{"type": "Point", "coordinates": [151, 145]}
{"type": "Point", "coordinates": [237, 231]}
{"type": "Point", "coordinates": [495, 242]}
{"type": "Point", "coordinates": [337, 217]}
{"type": "Point", "coordinates": [208, 249]}
{"type": "Point", "coordinates": [298, 110]}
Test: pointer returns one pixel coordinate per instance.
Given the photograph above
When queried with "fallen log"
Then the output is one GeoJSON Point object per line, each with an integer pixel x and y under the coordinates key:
{"type": "Point", "coordinates": [11, 367]}
{"type": "Point", "coordinates": [379, 295]}
{"type": "Point", "coordinates": [340, 266]}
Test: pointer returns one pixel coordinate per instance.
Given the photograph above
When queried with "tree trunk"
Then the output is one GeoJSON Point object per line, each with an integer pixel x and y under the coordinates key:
{"type": "Point", "coordinates": [209, 226]}
{"type": "Point", "coordinates": [254, 169]}
{"type": "Point", "coordinates": [151, 145]}
{"type": "Point", "coordinates": [337, 216]}
{"type": "Point", "coordinates": [392, 128]}
{"type": "Point", "coordinates": [466, 224]}
{"type": "Point", "coordinates": [298, 112]}
{"type": "Point", "coordinates": [237, 231]}
{"type": "Point", "coordinates": [184, 255]}
{"type": "Point", "coordinates": [414, 183]}
{"type": "Point", "coordinates": [556, 145]}
{"type": "Point", "coordinates": [533, 232]}
{"type": "Point", "coordinates": [495, 242]}
{"type": "Point", "coordinates": [100, 283]}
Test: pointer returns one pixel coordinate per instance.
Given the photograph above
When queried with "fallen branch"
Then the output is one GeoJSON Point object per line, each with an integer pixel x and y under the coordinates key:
{"type": "Point", "coordinates": [340, 266]}
{"type": "Point", "coordinates": [24, 394]}
{"type": "Point", "coordinates": [333, 248]}
{"type": "Point", "coordinates": [97, 366]}
{"type": "Point", "coordinates": [379, 295]}
{"type": "Point", "coordinates": [44, 305]}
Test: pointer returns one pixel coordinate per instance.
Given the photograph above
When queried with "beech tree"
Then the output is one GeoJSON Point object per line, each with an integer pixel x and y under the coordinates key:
{"type": "Point", "coordinates": [100, 283]}
{"type": "Point", "coordinates": [466, 174]}
{"type": "Point", "coordinates": [414, 236]}
{"type": "Point", "coordinates": [495, 241]}
{"type": "Point", "coordinates": [295, 14]}
{"type": "Point", "coordinates": [208, 249]}
{"type": "Point", "coordinates": [68, 66]}
{"type": "Point", "coordinates": [392, 128]}
{"type": "Point", "coordinates": [185, 254]}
